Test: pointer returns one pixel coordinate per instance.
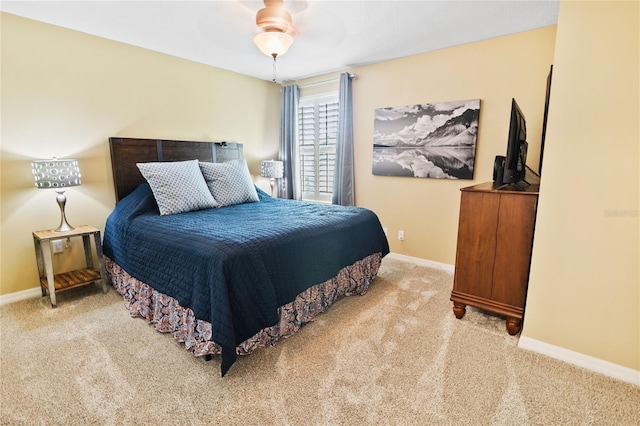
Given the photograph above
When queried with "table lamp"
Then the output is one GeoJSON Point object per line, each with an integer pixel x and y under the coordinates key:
{"type": "Point", "coordinates": [273, 170]}
{"type": "Point", "coordinates": [57, 174]}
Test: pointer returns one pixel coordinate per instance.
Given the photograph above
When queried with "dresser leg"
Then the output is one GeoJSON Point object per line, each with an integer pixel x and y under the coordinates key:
{"type": "Point", "coordinates": [459, 309]}
{"type": "Point", "coordinates": [513, 326]}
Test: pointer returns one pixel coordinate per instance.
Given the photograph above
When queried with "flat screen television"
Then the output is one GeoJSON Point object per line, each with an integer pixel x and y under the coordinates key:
{"type": "Point", "coordinates": [514, 164]}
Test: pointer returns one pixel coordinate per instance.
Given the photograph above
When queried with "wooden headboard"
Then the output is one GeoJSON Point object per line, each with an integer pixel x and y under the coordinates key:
{"type": "Point", "coordinates": [126, 152]}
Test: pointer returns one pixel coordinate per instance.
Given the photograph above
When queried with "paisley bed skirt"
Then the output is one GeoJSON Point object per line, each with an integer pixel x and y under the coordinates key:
{"type": "Point", "coordinates": [167, 316]}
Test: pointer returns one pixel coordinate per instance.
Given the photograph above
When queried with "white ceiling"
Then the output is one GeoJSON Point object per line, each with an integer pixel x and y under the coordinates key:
{"type": "Point", "coordinates": [332, 35]}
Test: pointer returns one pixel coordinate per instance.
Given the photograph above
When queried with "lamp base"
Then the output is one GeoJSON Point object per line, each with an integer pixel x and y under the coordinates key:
{"type": "Point", "coordinates": [64, 225]}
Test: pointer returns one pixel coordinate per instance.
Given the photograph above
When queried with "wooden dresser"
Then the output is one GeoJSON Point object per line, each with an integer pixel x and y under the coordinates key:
{"type": "Point", "coordinates": [495, 237]}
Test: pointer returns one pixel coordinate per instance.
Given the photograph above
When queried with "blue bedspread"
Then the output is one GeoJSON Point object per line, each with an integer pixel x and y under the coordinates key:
{"type": "Point", "coordinates": [234, 266]}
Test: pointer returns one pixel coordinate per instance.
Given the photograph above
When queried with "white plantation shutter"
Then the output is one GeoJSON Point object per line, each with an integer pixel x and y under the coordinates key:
{"type": "Point", "coordinates": [317, 138]}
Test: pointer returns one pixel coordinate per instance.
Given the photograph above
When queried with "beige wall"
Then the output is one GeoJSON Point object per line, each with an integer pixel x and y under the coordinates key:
{"type": "Point", "coordinates": [64, 93]}
{"type": "Point", "coordinates": [493, 71]}
{"type": "Point", "coordinates": [584, 283]}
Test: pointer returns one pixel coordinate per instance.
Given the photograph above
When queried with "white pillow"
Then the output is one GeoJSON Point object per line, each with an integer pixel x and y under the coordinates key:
{"type": "Point", "coordinates": [178, 186]}
{"type": "Point", "coordinates": [230, 182]}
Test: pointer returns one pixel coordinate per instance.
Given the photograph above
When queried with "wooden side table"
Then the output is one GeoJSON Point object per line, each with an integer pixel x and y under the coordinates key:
{"type": "Point", "coordinates": [51, 283]}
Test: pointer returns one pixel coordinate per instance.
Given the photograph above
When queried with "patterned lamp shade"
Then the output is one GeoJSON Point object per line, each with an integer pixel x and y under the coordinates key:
{"type": "Point", "coordinates": [272, 169]}
{"type": "Point", "coordinates": [56, 174]}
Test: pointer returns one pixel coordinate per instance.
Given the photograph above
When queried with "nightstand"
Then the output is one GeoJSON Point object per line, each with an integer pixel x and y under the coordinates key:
{"type": "Point", "coordinates": [51, 283]}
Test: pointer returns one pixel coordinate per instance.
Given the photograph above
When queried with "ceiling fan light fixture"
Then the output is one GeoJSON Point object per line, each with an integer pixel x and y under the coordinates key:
{"type": "Point", "coordinates": [273, 43]}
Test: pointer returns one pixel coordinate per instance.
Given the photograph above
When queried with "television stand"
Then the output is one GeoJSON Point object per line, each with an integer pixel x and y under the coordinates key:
{"type": "Point", "coordinates": [493, 255]}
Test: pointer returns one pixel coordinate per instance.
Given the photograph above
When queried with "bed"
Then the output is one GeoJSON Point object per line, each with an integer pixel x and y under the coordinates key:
{"type": "Point", "coordinates": [237, 275]}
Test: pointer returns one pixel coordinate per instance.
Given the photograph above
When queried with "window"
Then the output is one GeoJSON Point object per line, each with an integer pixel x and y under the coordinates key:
{"type": "Point", "coordinates": [317, 139]}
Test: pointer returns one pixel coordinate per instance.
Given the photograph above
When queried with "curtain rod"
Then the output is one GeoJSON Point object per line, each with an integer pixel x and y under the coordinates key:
{"type": "Point", "coordinates": [333, 80]}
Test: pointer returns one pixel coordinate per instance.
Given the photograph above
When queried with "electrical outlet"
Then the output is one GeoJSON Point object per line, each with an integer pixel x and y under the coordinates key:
{"type": "Point", "coordinates": [386, 231]}
{"type": "Point", "coordinates": [58, 246]}
{"type": "Point", "coordinates": [401, 235]}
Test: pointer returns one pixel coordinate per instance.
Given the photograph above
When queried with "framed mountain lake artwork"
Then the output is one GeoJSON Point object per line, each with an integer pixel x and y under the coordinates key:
{"type": "Point", "coordinates": [435, 140]}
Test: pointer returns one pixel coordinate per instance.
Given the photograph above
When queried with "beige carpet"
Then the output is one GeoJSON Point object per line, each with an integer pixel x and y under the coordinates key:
{"type": "Point", "coordinates": [396, 355]}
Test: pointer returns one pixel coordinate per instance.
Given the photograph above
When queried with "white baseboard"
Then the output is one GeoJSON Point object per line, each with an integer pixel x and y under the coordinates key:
{"type": "Point", "coordinates": [607, 368]}
{"type": "Point", "coordinates": [423, 262]}
{"type": "Point", "coordinates": [20, 295]}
